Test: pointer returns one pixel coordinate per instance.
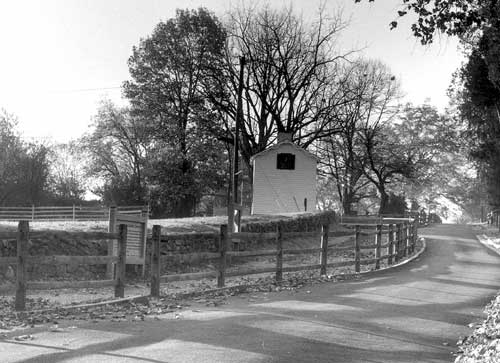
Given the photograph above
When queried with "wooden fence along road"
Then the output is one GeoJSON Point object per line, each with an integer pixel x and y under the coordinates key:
{"type": "Point", "coordinates": [401, 240]}
{"type": "Point", "coordinates": [400, 235]}
{"type": "Point", "coordinates": [71, 213]}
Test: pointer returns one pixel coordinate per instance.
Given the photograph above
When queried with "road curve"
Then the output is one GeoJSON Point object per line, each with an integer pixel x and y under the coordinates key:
{"type": "Point", "coordinates": [412, 313]}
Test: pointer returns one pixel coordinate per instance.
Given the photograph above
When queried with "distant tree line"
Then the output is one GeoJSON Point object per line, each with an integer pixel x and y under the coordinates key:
{"type": "Point", "coordinates": [33, 173]}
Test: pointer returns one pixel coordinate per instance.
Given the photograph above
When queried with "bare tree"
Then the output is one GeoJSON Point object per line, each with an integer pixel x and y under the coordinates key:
{"type": "Point", "coordinates": [67, 176]}
{"type": "Point", "coordinates": [383, 157]}
{"type": "Point", "coordinates": [372, 93]}
{"type": "Point", "coordinates": [292, 80]}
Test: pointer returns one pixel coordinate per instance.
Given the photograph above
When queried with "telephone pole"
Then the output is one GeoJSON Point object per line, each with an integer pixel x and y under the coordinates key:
{"type": "Point", "coordinates": [234, 203]}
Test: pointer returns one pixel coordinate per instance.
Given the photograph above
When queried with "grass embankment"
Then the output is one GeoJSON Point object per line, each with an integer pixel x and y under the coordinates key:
{"type": "Point", "coordinates": [194, 224]}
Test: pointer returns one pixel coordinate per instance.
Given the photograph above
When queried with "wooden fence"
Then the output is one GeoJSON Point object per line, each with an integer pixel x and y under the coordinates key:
{"type": "Point", "coordinates": [422, 218]}
{"type": "Point", "coordinates": [70, 213]}
{"type": "Point", "coordinates": [493, 218]}
{"type": "Point", "coordinates": [23, 259]}
{"type": "Point", "coordinates": [401, 239]}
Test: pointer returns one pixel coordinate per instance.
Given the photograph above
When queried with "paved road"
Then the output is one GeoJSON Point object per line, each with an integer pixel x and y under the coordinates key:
{"type": "Point", "coordinates": [413, 313]}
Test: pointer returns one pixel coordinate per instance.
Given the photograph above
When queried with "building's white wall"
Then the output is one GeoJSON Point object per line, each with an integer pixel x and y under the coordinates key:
{"type": "Point", "coordinates": [274, 189]}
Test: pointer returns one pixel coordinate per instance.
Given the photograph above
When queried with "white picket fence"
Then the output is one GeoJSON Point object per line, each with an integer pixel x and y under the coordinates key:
{"type": "Point", "coordinates": [71, 213]}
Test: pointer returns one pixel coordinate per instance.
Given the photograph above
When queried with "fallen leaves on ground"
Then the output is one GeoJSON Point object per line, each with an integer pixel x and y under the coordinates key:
{"type": "Point", "coordinates": [126, 311]}
{"type": "Point", "coordinates": [483, 346]}
{"type": "Point", "coordinates": [43, 311]}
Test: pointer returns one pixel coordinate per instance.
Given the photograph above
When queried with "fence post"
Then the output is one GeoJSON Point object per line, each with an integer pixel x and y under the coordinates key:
{"type": "Point", "coordinates": [398, 242]}
{"type": "Point", "coordinates": [279, 254]}
{"type": "Point", "coordinates": [155, 262]}
{"type": "Point", "coordinates": [325, 228]}
{"type": "Point", "coordinates": [415, 234]}
{"type": "Point", "coordinates": [408, 238]}
{"type": "Point", "coordinates": [390, 247]}
{"type": "Point", "coordinates": [120, 265]}
{"type": "Point", "coordinates": [145, 216]}
{"type": "Point", "coordinates": [404, 238]}
{"type": "Point", "coordinates": [112, 219]}
{"type": "Point", "coordinates": [221, 276]}
{"type": "Point", "coordinates": [110, 273]}
{"type": "Point", "coordinates": [32, 212]}
{"type": "Point", "coordinates": [378, 244]}
{"type": "Point", "coordinates": [74, 212]}
{"type": "Point", "coordinates": [357, 250]}
{"type": "Point", "coordinates": [22, 252]}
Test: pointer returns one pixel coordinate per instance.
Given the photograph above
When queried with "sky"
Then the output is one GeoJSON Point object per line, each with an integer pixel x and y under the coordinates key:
{"type": "Point", "coordinates": [60, 58]}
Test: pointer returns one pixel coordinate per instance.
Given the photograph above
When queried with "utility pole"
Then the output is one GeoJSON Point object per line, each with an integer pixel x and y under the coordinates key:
{"type": "Point", "coordinates": [234, 205]}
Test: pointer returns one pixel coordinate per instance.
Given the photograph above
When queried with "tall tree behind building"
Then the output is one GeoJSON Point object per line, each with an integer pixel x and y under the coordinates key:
{"type": "Point", "coordinates": [169, 75]}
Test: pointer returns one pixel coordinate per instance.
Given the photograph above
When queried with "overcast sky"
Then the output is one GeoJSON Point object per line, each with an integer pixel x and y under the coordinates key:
{"type": "Point", "coordinates": [60, 57]}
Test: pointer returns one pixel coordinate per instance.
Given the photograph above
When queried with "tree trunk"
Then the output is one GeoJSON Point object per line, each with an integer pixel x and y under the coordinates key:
{"type": "Point", "coordinates": [384, 199]}
{"type": "Point", "coordinates": [184, 207]}
{"type": "Point", "coordinates": [347, 204]}
{"type": "Point", "coordinates": [185, 204]}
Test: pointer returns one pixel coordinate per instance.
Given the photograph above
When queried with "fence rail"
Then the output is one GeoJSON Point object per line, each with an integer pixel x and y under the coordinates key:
{"type": "Point", "coordinates": [66, 213]}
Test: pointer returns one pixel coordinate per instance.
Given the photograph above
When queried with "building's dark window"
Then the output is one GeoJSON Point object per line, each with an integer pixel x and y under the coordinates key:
{"type": "Point", "coordinates": [285, 161]}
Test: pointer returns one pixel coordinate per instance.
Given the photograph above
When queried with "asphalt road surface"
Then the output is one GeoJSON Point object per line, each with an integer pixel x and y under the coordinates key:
{"type": "Point", "coordinates": [412, 313]}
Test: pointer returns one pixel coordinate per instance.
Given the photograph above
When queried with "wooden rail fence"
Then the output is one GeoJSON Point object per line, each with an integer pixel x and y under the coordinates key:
{"type": "Point", "coordinates": [22, 260]}
{"type": "Point", "coordinates": [401, 240]}
{"type": "Point", "coordinates": [69, 213]}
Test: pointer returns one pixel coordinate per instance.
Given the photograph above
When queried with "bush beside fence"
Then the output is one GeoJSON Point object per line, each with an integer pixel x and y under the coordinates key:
{"type": "Point", "coordinates": [301, 223]}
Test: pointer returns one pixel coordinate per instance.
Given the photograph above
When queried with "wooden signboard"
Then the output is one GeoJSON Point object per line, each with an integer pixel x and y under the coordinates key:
{"type": "Point", "coordinates": [137, 229]}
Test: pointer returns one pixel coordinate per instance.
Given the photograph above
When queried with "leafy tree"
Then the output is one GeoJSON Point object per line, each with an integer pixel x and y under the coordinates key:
{"type": "Point", "coordinates": [396, 205]}
{"type": "Point", "coordinates": [170, 72]}
{"type": "Point", "coordinates": [429, 138]}
{"type": "Point", "coordinates": [451, 17]}
{"type": "Point", "coordinates": [34, 171]}
{"type": "Point", "coordinates": [477, 99]}
{"type": "Point", "coordinates": [10, 149]}
{"type": "Point", "coordinates": [117, 150]}
{"type": "Point", "coordinates": [24, 168]}
{"type": "Point", "coordinates": [132, 166]}
{"type": "Point", "coordinates": [412, 150]}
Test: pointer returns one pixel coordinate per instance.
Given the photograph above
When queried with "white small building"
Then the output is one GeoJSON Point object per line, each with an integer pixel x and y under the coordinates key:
{"type": "Point", "coordinates": [284, 179]}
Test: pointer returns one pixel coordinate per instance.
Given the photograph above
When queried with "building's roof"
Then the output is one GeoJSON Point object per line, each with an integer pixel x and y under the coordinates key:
{"type": "Point", "coordinates": [277, 146]}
